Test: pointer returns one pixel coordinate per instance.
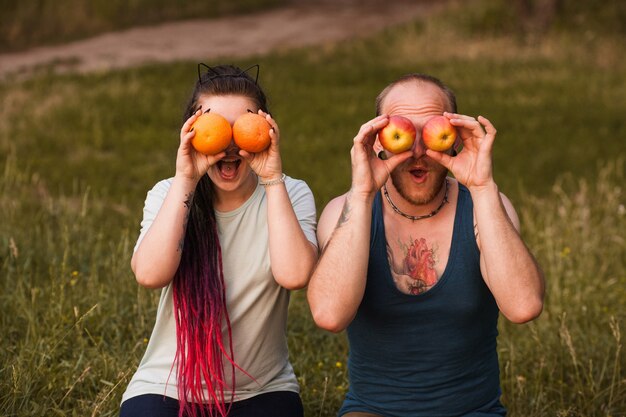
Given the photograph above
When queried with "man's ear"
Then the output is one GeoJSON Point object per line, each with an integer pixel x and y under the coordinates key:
{"type": "Point", "coordinates": [457, 146]}
{"type": "Point", "coordinates": [377, 146]}
{"type": "Point", "coordinates": [379, 150]}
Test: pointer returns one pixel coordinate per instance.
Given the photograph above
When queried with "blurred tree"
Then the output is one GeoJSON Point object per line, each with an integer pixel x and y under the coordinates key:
{"type": "Point", "coordinates": [537, 16]}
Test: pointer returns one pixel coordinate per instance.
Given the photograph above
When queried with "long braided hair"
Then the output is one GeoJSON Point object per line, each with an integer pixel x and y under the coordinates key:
{"type": "Point", "coordinates": [199, 295]}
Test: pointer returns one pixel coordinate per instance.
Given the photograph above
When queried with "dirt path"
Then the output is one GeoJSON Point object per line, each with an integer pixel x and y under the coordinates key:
{"type": "Point", "coordinates": [303, 23]}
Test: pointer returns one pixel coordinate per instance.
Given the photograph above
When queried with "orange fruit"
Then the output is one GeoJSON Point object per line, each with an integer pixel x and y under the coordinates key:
{"type": "Point", "coordinates": [252, 132]}
{"type": "Point", "coordinates": [213, 133]}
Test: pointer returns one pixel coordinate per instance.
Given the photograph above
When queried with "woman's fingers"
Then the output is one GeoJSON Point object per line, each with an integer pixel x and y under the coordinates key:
{"type": "Point", "coordinates": [186, 131]}
{"type": "Point", "coordinates": [190, 121]}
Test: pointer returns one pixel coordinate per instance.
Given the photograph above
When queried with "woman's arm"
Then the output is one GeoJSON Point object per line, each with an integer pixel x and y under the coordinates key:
{"type": "Point", "coordinates": [157, 257]}
{"type": "Point", "coordinates": [292, 255]}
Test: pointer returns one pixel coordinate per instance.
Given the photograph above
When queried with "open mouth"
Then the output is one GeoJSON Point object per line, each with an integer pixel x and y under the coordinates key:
{"type": "Point", "coordinates": [419, 173]}
{"type": "Point", "coordinates": [228, 168]}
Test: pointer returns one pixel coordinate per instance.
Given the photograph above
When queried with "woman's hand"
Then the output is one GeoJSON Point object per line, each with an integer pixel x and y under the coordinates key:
{"type": "Point", "coordinates": [267, 164]}
{"type": "Point", "coordinates": [191, 164]}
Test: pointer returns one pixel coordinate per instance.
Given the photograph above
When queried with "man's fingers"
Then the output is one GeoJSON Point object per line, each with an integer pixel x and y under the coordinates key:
{"type": "Point", "coordinates": [490, 135]}
{"type": "Point", "coordinates": [442, 158]}
{"type": "Point", "coordinates": [367, 132]}
{"type": "Point", "coordinates": [392, 162]}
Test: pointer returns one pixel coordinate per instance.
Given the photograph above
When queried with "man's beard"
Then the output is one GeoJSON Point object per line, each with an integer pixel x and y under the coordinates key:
{"type": "Point", "coordinates": [428, 194]}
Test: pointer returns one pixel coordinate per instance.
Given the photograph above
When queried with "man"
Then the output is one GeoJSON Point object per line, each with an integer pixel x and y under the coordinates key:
{"type": "Point", "coordinates": [417, 266]}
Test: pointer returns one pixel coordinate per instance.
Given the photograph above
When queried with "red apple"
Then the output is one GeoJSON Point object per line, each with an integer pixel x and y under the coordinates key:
{"type": "Point", "coordinates": [439, 134]}
{"type": "Point", "coordinates": [398, 136]}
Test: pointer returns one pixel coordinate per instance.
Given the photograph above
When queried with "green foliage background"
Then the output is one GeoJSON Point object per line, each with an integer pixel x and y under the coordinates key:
{"type": "Point", "coordinates": [81, 151]}
{"type": "Point", "coordinates": [32, 23]}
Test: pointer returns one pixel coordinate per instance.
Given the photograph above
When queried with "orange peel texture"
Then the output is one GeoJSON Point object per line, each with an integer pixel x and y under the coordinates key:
{"type": "Point", "coordinates": [213, 133]}
{"type": "Point", "coordinates": [251, 132]}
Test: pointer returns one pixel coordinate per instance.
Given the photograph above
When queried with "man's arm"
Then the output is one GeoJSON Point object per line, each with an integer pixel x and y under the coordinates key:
{"type": "Point", "coordinates": [337, 285]}
{"type": "Point", "coordinates": [509, 269]}
{"type": "Point", "coordinates": [338, 282]}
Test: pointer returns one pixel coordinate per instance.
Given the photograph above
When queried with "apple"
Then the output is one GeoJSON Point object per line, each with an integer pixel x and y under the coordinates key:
{"type": "Point", "coordinates": [439, 134]}
{"type": "Point", "coordinates": [398, 135]}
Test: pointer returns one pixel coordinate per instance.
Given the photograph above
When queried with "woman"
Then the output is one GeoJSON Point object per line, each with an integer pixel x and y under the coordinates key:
{"type": "Point", "coordinates": [226, 238]}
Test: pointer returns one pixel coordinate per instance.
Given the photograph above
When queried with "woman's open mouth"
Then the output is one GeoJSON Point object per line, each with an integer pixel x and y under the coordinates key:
{"type": "Point", "coordinates": [228, 168]}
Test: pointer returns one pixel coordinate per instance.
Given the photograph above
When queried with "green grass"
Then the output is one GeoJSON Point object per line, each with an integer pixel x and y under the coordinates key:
{"type": "Point", "coordinates": [501, 17]}
{"type": "Point", "coordinates": [570, 362]}
{"type": "Point", "coordinates": [81, 151]}
{"type": "Point", "coordinates": [25, 24]}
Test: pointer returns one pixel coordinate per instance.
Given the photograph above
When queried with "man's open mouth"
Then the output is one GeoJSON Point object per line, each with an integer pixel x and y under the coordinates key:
{"type": "Point", "coordinates": [418, 172]}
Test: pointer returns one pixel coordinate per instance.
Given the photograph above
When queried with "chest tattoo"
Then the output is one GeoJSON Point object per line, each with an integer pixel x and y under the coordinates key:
{"type": "Point", "coordinates": [413, 266]}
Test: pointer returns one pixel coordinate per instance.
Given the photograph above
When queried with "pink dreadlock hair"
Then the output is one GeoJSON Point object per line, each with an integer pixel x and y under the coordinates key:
{"type": "Point", "coordinates": [199, 293]}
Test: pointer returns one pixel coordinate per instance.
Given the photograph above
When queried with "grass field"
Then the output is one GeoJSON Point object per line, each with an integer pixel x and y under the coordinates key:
{"type": "Point", "coordinates": [26, 24]}
{"type": "Point", "coordinates": [79, 152]}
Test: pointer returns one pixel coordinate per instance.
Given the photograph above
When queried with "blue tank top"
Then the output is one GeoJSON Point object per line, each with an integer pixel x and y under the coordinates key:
{"type": "Point", "coordinates": [432, 354]}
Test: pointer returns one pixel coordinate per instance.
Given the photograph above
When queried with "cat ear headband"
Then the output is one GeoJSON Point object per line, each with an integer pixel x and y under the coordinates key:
{"type": "Point", "coordinates": [211, 74]}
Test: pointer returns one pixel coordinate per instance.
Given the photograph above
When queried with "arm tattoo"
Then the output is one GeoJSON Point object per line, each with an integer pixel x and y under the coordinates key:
{"type": "Point", "coordinates": [345, 214]}
{"type": "Point", "coordinates": [187, 203]}
{"type": "Point", "coordinates": [343, 218]}
{"type": "Point", "coordinates": [188, 200]}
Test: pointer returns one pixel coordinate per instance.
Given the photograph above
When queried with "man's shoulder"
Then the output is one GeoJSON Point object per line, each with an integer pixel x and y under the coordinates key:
{"type": "Point", "coordinates": [329, 217]}
{"type": "Point", "coordinates": [335, 205]}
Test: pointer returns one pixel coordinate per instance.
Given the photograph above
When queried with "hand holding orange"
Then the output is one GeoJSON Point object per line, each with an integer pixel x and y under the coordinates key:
{"type": "Point", "coordinates": [251, 132]}
{"type": "Point", "coordinates": [213, 133]}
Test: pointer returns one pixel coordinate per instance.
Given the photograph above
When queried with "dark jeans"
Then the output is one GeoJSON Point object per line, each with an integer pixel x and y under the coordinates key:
{"type": "Point", "coordinates": [271, 404]}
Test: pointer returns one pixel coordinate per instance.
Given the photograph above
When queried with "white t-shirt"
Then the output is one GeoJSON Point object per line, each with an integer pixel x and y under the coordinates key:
{"type": "Point", "coordinates": [257, 305]}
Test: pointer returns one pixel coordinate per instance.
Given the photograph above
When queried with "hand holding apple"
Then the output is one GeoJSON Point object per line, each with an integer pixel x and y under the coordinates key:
{"type": "Point", "coordinates": [439, 134]}
{"type": "Point", "coordinates": [398, 135]}
{"type": "Point", "coordinates": [472, 166]}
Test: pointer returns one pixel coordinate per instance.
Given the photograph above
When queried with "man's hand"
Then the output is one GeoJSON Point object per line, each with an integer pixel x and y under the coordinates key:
{"type": "Point", "coordinates": [473, 165]}
{"type": "Point", "coordinates": [369, 173]}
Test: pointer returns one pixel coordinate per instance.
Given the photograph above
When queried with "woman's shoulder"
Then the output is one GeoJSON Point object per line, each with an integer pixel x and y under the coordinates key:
{"type": "Point", "coordinates": [159, 190]}
{"type": "Point", "coordinates": [295, 183]}
{"type": "Point", "coordinates": [162, 185]}
{"type": "Point", "coordinates": [297, 187]}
